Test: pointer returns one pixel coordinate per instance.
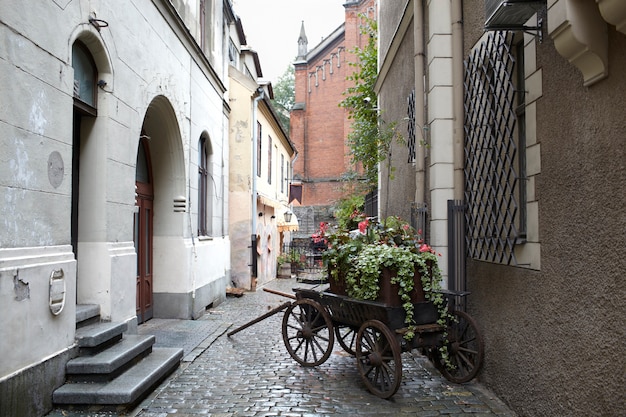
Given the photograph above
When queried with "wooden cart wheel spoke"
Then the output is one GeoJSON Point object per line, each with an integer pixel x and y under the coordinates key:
{"type": "Point", "coordinates": [378, 358]}
{"type": "Point", "coordinates": [465, 349]}
{"type": "Point", "coordinates": [318, 328]}
{"type": "Point", "coordinates": [346, 336]}
{"type": "Point", "coordinates": [310, 347]}
{"type": "Point", "coordinates": [465, 360]}
{"type": "Point", "coordinates": [308, 332]}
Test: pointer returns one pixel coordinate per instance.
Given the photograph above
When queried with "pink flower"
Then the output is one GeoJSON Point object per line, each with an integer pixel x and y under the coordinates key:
{"type": "Point", "coordinates": [425, 248]}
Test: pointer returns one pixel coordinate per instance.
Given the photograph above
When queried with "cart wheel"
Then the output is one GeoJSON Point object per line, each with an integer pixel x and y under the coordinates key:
{"type": "Point", "coordinates": [465, 349]}
{"type": "Point", "coordinates": [346, 336]}
{"type": "Point", "coordinates": [308, 332]}
{"type": "Point", "coordinates": [378, 358]}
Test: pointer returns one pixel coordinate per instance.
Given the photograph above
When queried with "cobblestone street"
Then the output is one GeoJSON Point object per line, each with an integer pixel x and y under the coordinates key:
{"type": "Point", "coordinates": [252, 374]}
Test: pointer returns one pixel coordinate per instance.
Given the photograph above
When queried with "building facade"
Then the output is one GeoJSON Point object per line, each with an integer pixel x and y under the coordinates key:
{"type": "Point", "coordinates": [319, 127]}
{"type": "Point", "coordinates": [513, 119]}
{"type": "Point", "coordinates": [113, 141]}
{"type": "Point", "coordinates": [261, 156]}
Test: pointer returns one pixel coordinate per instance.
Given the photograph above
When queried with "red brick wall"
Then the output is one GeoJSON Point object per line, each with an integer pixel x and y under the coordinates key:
{"type": "Point", "coordinates": [320, 127]}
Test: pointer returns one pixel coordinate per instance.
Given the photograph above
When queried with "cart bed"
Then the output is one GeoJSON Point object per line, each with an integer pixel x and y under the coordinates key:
{"type": "Point", "coordinates": [349, 311]}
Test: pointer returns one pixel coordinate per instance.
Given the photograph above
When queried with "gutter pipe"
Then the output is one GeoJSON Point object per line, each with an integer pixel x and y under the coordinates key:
{"type": "Point", "coordinates": [253, 256]}
{"type": "Point", "coordinates": [457, 98]}
{"type": "Point", "coordinates": [420, 108]}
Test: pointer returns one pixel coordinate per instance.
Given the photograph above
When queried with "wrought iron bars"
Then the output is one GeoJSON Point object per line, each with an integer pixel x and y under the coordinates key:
{"type": "Point", "coordinates": [490, 150]}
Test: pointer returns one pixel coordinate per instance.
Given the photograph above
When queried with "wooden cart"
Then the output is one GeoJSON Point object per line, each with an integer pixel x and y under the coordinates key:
{"type": "Point", "coordinates": [374, 333]}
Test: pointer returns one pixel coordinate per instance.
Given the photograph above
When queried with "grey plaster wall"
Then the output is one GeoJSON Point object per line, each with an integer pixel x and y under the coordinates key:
{"type": "Point", "coordinates": [397, 190]}
{"type": "Point", "coordinates": [555, 337]}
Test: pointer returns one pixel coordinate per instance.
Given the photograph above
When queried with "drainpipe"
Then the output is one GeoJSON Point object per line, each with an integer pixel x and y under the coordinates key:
{"type": "Point", "coordinates": [420, 109]}
{"type": "Point", "coordinates": [457, 98]}
{"type": "Point", "coordinates": [255, 133]}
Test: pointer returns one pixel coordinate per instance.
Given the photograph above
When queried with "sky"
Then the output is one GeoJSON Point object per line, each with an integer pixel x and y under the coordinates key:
{"type": "Point", "coordinates": [272, 28]}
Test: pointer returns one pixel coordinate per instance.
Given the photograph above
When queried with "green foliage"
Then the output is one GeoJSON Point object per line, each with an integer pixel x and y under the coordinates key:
{"type": "Point", "coordinates": [370, 138]}
{"type": "Point", "coordinates": [292, 257]}
{"type": "Point", "coordinates": [358, 257]}
{"type": "Point", "coordinates": [346, 208]}
{"type": "Point", "coordinates": [285, 96]}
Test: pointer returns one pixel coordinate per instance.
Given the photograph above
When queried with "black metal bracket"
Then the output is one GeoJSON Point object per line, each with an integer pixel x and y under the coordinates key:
{"type": "Point", "coordinates": [532, 30]}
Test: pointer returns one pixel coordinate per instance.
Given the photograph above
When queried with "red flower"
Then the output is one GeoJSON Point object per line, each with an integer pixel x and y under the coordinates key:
{"type": "Point", "coordinates": [425, 248]}
{"type": "Point", "coordinates": [363, 226]}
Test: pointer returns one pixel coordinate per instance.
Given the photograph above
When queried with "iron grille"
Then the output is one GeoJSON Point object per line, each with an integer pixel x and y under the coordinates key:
{"type": "Point", "coordinates": [411, 126]}
{"type": "Point", "coordinates": [419, 214]}
{"type": "Point", "coordinates": [490, 150]}
{"type": "Point", "coordinates": [371, 204]}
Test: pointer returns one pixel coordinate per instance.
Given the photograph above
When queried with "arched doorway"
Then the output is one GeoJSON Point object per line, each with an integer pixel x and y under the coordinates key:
{"type": "Point", "coordinates": [85, 112]}
{"type": "Point", "coordinates": [143, 230]}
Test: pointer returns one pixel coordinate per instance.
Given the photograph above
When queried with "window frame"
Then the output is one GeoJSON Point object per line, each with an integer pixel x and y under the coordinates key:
{"type": "Point", "coordinates": [204, 196]}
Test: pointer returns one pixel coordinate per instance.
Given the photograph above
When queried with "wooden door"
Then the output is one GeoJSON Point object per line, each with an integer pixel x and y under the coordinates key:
{"type": "Point", "coordinates": [143, 234]}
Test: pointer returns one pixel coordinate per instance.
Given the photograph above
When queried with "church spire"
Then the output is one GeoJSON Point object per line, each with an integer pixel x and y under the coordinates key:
{"type": "Point", "coordinates": [302, 43]}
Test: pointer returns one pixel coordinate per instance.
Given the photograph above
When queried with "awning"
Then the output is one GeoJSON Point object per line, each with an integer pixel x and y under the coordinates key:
{"type": "Point", "coordinates": [284, 226]}
{"type": "Point", "coordinates": [268, 201]}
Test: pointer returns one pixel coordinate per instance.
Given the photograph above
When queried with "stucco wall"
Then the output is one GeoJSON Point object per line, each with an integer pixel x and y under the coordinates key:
{"type": "Point", "coordinates": [398, 180]}
{"type": "Point", "coordinates": [155, 80]}
{"type": "Point", "coordinates": [554, 337]}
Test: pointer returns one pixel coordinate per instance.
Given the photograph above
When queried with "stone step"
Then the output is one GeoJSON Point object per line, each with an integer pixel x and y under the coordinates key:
{"type": "Point", "coordinates": [99, 334]}
{"type": "Point", "coordinates": [87, 314]}
{"type": "Point", "coordinates": [128, 388]}
{"type": "Point", "coordinates": [109, 363]}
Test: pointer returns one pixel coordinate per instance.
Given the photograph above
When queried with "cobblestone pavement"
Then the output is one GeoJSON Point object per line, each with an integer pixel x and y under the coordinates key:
{"type": "Point", "coordinates": [252, 374]}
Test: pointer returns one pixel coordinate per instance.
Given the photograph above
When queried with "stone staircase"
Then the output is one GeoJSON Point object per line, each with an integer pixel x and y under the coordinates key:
{"type": "Point", "coordinates": [112, 368]}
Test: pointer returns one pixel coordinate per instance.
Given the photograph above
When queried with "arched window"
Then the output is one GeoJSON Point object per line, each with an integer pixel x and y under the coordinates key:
{"type": "Point", "coordinates": [204, 187]}
{"type": "Point", "coordinates": [85, 79]}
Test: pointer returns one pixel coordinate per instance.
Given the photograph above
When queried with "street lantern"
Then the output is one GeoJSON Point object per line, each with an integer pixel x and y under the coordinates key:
{"type": "Point", "coordinates": [288, 215]}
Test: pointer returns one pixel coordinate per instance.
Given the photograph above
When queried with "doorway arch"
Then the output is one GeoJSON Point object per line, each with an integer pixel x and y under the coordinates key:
{"type": "Point", "coordinates": [165, 226]}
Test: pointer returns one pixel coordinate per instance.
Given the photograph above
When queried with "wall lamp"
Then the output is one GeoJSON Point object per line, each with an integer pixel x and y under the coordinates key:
{"type": "Point", "coordinates": [288, 215]}
{"type": "Point", "coordinates": [98, 23]}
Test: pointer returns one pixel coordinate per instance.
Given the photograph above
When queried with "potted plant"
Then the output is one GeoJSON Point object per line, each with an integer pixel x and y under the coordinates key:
{"type": "Point", "coordinates": [385, 261]}
{"type": "Point", "coordinates": [283, 263]}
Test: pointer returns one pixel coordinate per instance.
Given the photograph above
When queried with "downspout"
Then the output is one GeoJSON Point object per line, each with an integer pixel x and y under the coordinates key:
{"type": "Point", "coordinates": [255, 105]}
{"type": "Point", "coordinates": [457, 98]}
{"type": "Point", "coordinates": [420, 109]}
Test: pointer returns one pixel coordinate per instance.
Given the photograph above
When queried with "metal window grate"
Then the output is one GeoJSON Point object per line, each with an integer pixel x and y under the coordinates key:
{"type": "Point", "coordinates": [371, 204]}
{"type": "Point", "coordinates": [411, 126]}
{"type": "Point", "coordinates": [419, 215]}
{"type": "Point", "coordinates": [490, 151]}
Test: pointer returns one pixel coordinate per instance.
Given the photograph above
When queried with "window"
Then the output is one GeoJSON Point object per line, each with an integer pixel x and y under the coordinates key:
{"type": "Point", "coordinates": [494, 173]}
{"type": "Point", "coordinates": [205, 25]}
{"type": "Point", "coordinates": [204, 188]}
{"type": "Point", "coordinates": [269, 159]}
{"type": "Point", "coordinates": [520, 112]}
{"type": "Point", "coordinates": [282, 173]}
{"type": "Point", "coordinates": [259, 147]}
{"type": "Point", "coordinates": [85, 76]}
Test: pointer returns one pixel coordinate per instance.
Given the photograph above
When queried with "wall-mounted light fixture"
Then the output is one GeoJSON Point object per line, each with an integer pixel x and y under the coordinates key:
{"type": "Point", "coordinates": [260, 214]}
{"type": "Point", "coordinates": [288, 215]}
{"type": "Point", "coordinates": [98, 23]}
{"type": "Point", "coordinates": [273, 217]}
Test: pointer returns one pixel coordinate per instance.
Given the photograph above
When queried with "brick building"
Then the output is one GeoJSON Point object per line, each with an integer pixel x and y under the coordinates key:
{"type": "Point", "coordinates": [319, 126]}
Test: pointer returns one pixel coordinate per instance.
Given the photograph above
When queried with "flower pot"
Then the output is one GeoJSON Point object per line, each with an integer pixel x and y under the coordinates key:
{"type": "Point", "coordinates": [337, 286]}
{"type": "Point", "coordinates": [389, 292]}
{"type": "Point", "coordinates": [284, 271]}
